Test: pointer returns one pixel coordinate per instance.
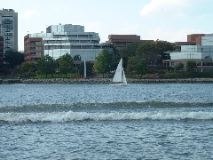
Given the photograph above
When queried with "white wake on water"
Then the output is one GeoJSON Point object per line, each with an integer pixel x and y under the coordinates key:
{"type": "Point", "coordinates": [59, 117]}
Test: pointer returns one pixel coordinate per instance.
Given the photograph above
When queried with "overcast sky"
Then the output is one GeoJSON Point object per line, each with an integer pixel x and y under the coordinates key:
{"type": "Point", "coordinates": [169, 20]}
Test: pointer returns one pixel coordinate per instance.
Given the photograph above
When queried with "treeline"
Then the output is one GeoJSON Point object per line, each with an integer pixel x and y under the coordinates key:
{"type": "Point", "coordinates": [46, 67]}
{"type": "Point", "coordinates": [146, 60]}
{"type": "Point", "coordinates": [63, 67]}
{"type": "Point", "coordinates": [139, 58]}
{"type": "Point", "coordinates": [10, 61]}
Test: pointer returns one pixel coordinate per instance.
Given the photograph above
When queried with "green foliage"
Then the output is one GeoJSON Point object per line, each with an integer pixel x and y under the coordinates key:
{"type": "Point", "coordinates": [179, 67]}
{"type": "Point", "coordinates": [153, 52]}
{"type": "Point", "coordinates": [4, 69]}
{"type": "Point", "coordinates": [55, 75]}
{"type": "Point", "coordinates": [148, 51]}
{"type": "Point", "coordinates": [27, 70]}
{"type": "Point", "coordinates": [89, 69]}
{"type": "Point", "coordinates": [114, 59]}
{"type": "Point", "coordinates": [130, 50]}
{"type": "Point", "coordinates": [65, 64]}
{"type": "Point", "coordinates": [13, 58]}
{"type": "Point", "coordinates": [102, 63]}
{"type": "Point", "coordinates": [136, 65]}
{"type": "Point", "coordinates": [191, 66]}
{"type": "Point", "coordinates": [162, 47]}
{"type": "Point", "coordinates": [47, 65]}
{"type": "Point", "coordinates": [187, 75]}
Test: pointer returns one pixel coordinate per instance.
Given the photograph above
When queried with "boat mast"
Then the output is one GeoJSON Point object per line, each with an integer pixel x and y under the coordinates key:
{"type": "Point", "coordinates": [85, 69]}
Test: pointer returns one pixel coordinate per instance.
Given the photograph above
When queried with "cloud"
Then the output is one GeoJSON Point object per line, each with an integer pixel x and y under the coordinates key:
{"type": "Point", "coordinates": [93, 26]}
{"type": "Point", "coordinates": [96, 26]}
{"type": "Point", "coordinates": [30, 14]}
{"type": "Point", "coordinates": [171, 35]}
{"type": "Point", "coordinates": [167, 20]}
{"type": "Point", "coordinates": [157, 7]}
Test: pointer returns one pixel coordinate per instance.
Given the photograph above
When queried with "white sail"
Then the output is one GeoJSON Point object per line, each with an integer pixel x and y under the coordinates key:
{"type": "Point", "coordinates": [119, 76]}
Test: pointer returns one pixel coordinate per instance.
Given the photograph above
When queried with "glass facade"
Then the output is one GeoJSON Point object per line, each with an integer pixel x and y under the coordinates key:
{"type": "Point", "coordinates": [72, 39]}
{"type": "Point", "coordinates": [1, 49]}
{"type": "Point", "coordinates": [196, 52]}
{"type": "Point", "coordinates": [9, 29]}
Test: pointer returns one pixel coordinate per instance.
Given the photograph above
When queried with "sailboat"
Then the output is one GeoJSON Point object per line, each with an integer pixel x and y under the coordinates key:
{"type": "Point", "coordinates": [119, 76]}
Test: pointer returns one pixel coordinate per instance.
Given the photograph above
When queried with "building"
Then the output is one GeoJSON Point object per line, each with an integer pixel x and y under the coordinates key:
{"type": "Point", "coordinates": [1, 49]}
{"type": "Point", "coordinates": [199, 49]}
{"type": "Point", "coordinates": [122, 41]}
{"type": "Point", "coordinates": [195, 38]}
{"type": "Point", "coordinates": [64, 39]}
{"type": "Point", "coordinates": [33, 48]}
{"type": "Point", "coordinates": [9, 29]}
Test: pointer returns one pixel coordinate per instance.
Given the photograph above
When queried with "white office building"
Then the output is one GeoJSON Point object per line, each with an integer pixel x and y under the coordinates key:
{"type": "Point", "coordinates": [202, 52]}
{"type": "Point", "coordinates": [72, 39]}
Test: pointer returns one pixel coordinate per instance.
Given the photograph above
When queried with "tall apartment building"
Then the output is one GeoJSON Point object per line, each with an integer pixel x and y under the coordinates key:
{"type": "Point", "coordinates": [9, 29]}
{"type": "Point", "coordinates": [1, 49]}
{"type": "Point", "coordinates": [62, 39]}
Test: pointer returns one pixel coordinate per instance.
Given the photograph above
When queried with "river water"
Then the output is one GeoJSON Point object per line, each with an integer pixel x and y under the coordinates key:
{"type": "Point", "coordinates": [89, 121]}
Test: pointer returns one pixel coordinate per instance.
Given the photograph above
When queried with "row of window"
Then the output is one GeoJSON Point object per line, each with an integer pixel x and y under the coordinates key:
{"type": "Point", "coordinates": [71, 41]}
{"type": "Point", "coordinates": [207, 49]}
{"type": "Point", "coordinates": [8, 34]}
{"type": "Point", "coordinates": [74, 36]}
{"type": "Point", "coordinates": [70, 47]}
{"type": "Point", "coordinates": [7, 27]}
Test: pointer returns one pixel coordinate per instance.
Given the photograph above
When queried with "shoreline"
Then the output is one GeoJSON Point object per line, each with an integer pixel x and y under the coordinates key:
{"type": "Point", "coordinates": [102, 81]}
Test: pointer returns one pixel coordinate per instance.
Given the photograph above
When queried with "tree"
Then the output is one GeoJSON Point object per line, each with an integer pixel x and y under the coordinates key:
{"type": "Point", "coordinates": [136, 65]}
{"type": "Point", "coordinates": [115, 58]}
{"type": "Point", "coordinates": [191, 66]}
{"type": "Point", "coordinates": [154, 52]}
{"type": "Point", "coordinates": [65, 64]}
{"type": "Point", "coordinates": [147, 50]}
{"type": "Point", "coordinates": [102, 63]}
{"type": "Point", "coordinates": [13, 58]}
{"type": "Point", "coordinates": [47, 65]}
{"type": "Point", "coordinates": [130, 50]}
{"type": "Point", "coordinates": [162, 47]}
{"type": "Point", "coordinates": [89, 69]}
{"type": "Point", "coordinates": [27, 69]}
{"type": "Point", "coordinates": [179, 67]}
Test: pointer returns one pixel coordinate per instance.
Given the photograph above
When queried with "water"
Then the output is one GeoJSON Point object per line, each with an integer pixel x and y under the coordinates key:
{"type": "Point", "coordinates": [138, 121]}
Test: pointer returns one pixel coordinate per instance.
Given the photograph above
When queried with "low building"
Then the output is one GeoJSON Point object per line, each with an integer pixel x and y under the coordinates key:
{"type": "Point", "coordinates": [122, 41]}
{"type": "Point", "coordinates": [33, 48]}
{"type": "Point", "coordinates": [195, 38]}
{"type": "Point", "coordinates": [66, 39]}
{"type": "Point", "coordinates": [200, 52]}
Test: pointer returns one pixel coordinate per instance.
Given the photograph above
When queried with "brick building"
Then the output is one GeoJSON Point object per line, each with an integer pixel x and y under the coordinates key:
{"type": "Point", "coordinates": [195, 38]}
{"type": "Point", "coordinates": [121, 41]}
{"type": "Point", "coordinates": [33, 48]}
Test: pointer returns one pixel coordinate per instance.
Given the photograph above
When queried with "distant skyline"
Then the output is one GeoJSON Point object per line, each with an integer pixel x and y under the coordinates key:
{"type": "Point", "coordinates": [169, 20]}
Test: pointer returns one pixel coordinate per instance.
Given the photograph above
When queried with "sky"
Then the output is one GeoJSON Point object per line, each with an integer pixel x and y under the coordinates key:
{"type": "Point", "coordinates": [169, 20]}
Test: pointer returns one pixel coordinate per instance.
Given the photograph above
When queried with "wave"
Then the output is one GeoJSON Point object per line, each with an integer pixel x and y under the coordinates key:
{"type": "Point", "coordinates": [70, 116]}
{"type": "Point", "coordinates": [103, 106]}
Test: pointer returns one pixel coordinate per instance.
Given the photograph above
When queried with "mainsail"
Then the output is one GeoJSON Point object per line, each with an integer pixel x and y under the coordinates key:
{"type": "Point", "coordinates": [119, 76]}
